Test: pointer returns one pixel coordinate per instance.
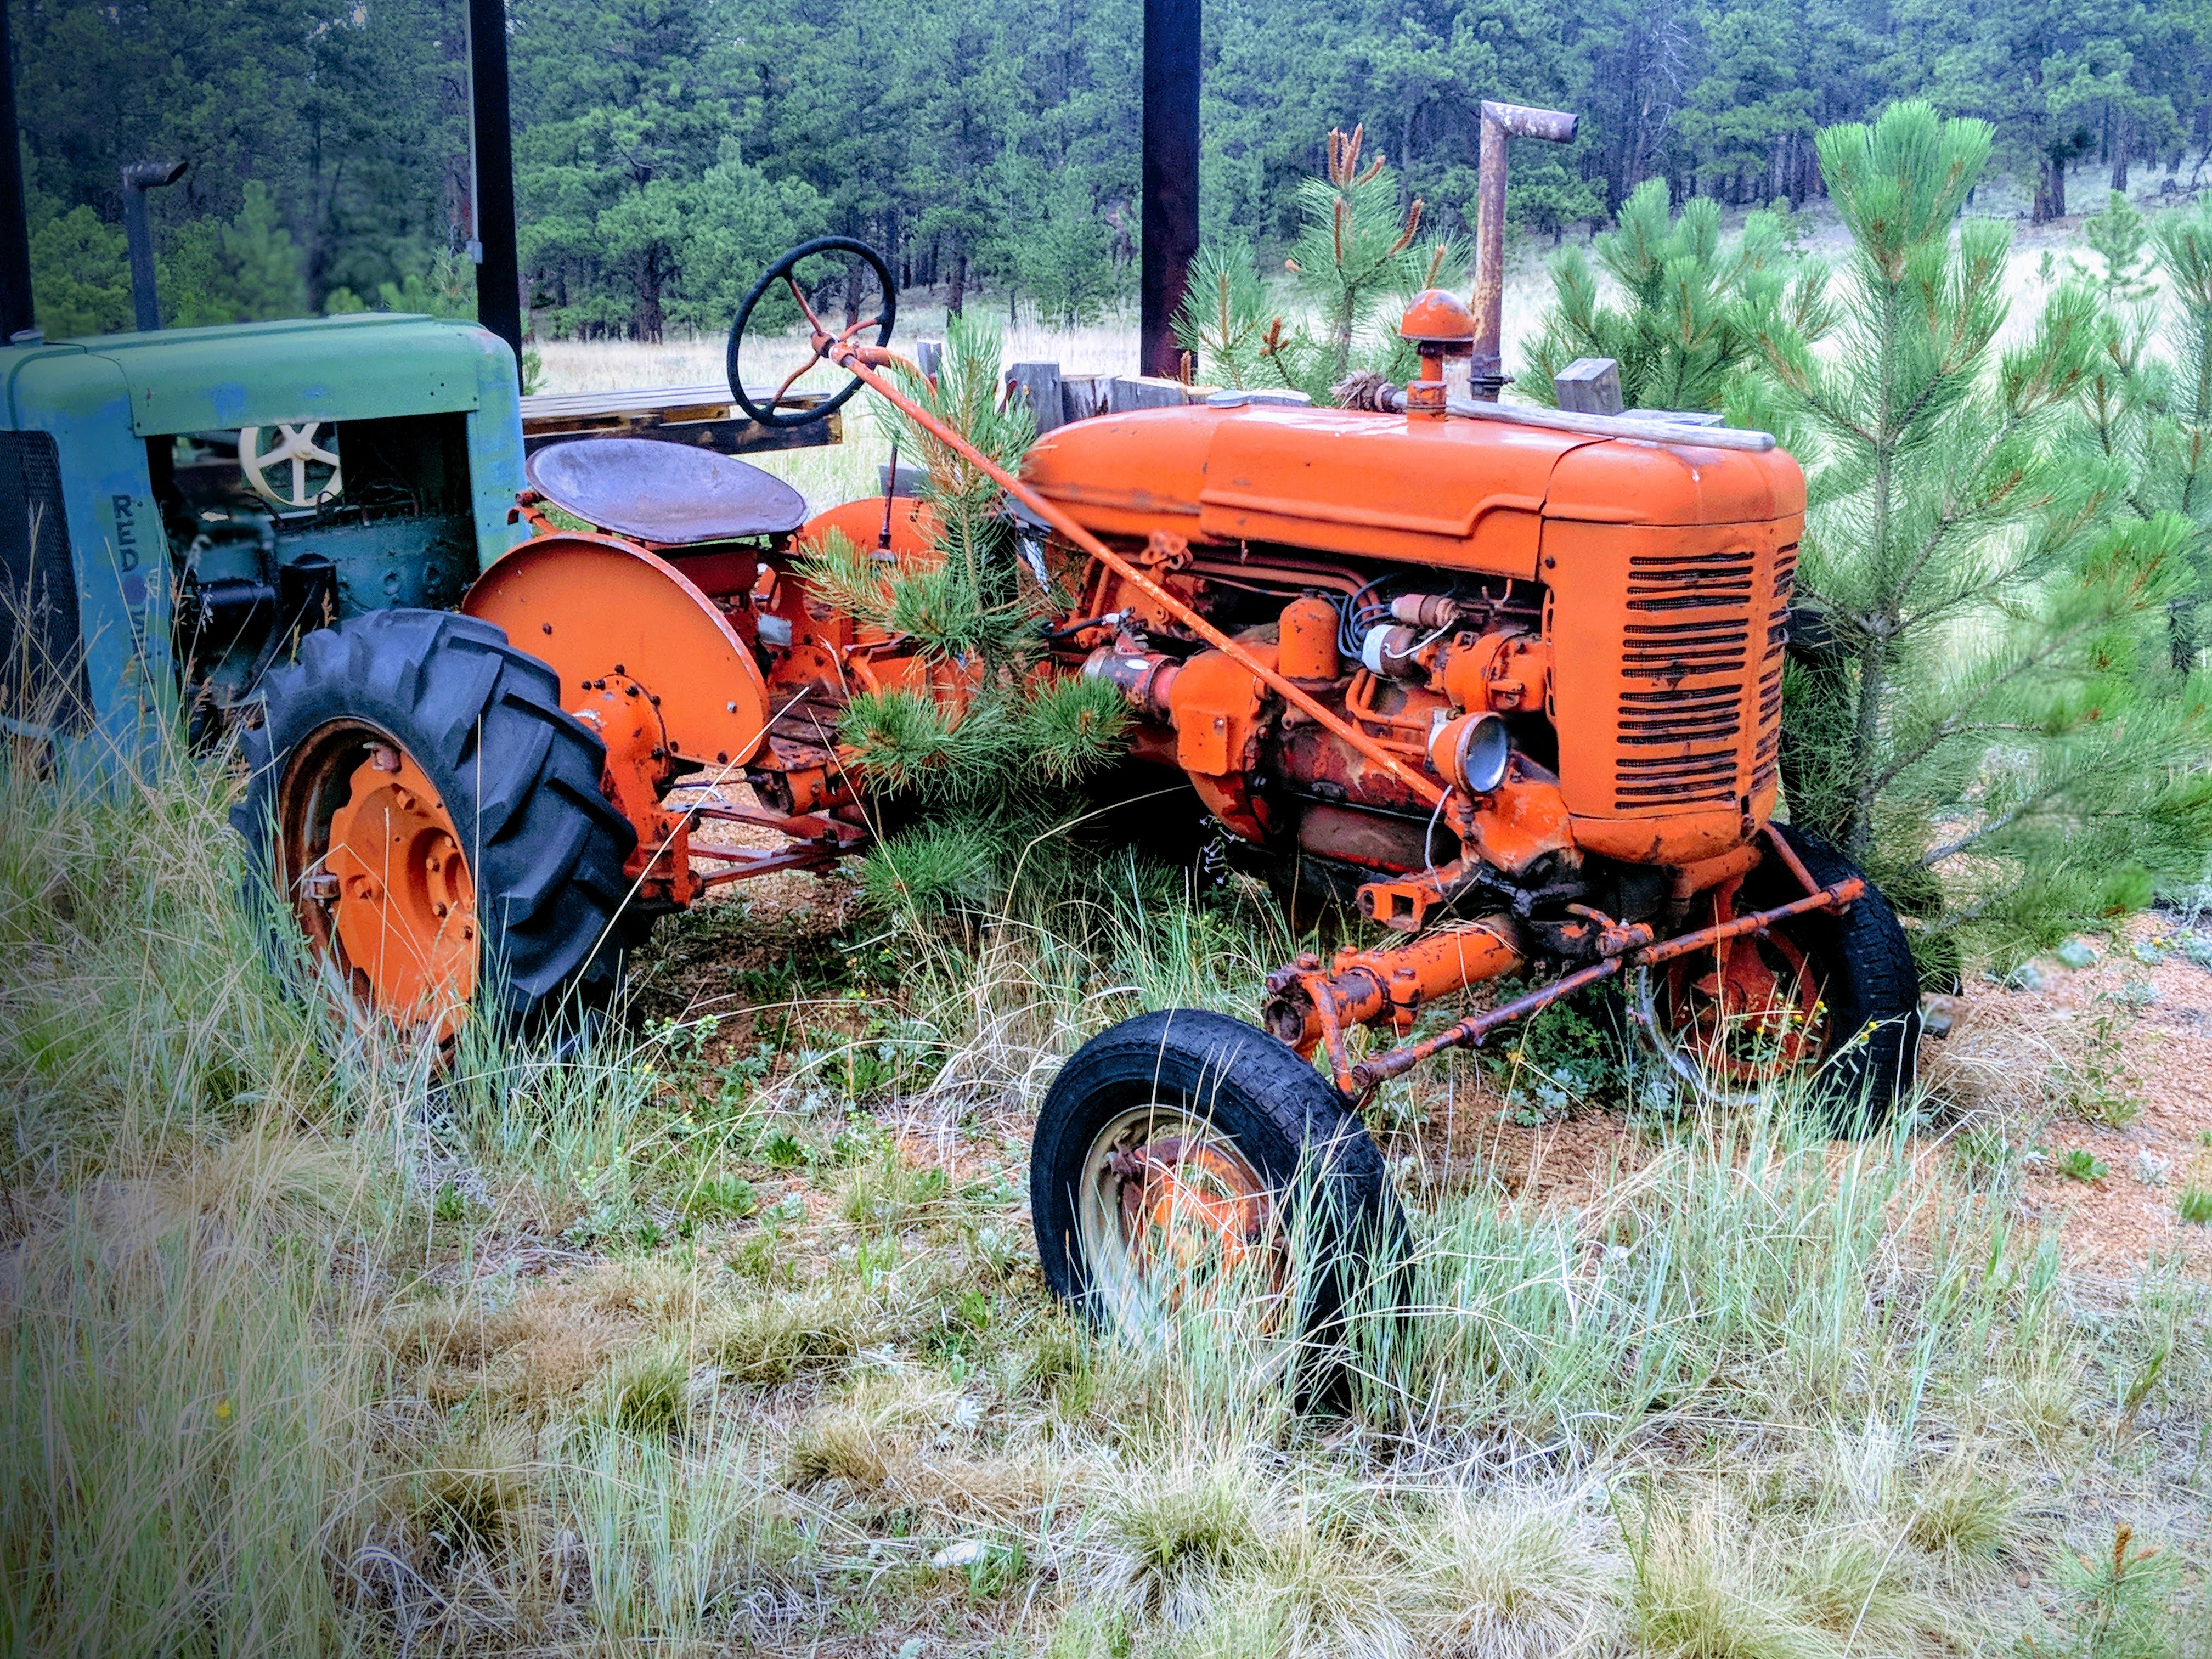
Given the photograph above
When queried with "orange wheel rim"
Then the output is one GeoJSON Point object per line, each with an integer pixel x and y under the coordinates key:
{"type": "Point", "coordinates": [1749, 1009]}
{"type": "Point", "coordinates": [1170, 1211]}
{"type": "Point", "coordinates": [385, 893]}
{"type": "Point", "coordinates": [1187, 1205]}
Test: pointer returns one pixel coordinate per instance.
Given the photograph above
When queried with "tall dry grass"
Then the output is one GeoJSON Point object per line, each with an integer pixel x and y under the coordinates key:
{"type": "Point", "coordinates": [306, 1351]}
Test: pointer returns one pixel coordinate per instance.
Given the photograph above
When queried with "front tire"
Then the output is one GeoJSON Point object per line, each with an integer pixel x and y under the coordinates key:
{"type": "Point", "coordinates": [1850, 1030]}
{"type": "Point", "coordinates": [424, 814]}
{"type": "Point", "coordinates": [1185, 1144]}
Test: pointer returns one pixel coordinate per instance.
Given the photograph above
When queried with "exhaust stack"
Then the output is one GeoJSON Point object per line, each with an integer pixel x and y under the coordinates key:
{"type": "Point", "coordinates": [138, 178]}
{"type": "Point", "coordinates": [1500, 122]}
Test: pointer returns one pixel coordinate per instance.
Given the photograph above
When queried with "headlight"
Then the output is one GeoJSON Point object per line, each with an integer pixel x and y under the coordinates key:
{"type": "Point", "coordinates": [1471, 752]}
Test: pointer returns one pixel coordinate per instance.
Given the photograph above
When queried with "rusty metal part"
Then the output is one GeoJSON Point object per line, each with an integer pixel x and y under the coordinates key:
{"type": "Point", "coordinates": [857, 360]}
{"type": "Point", "coordinates": [1306, 642]}
{"type": "Point", "coordinates": [593, 606]}
{"type": "Point", "coordinates": [1185, 1198]}
{"type": "Point", "coordinates": [1500, 121]}
{"type": "Point", "coordinates": [1363, 986]}
{"type": "Point", "coordinates": [1472, 752]}
{"type": "Point", "coordinates": [398, 909]}
{"type": "Point", "coordinates": [1507, 671]}
{"type": "Point", "coordinates": [1516, 823]}
{"type": "Point", "coordinates": [1790, 861]}
{"type": "Point", "coordinates": [903, 527]}
{"type": "Point", "coordinates": [1686, 881]}
{"type": "Point", "coordinates": [1643, 428]}
{"type": "Point", "coordinates": [1405, 905]}
{"type": "Point", "coordinates": [1753, 1010]}
{"type": "Point", "coordinates": [638, 771]}
{"type": "Point", "coordinates": [1353, 835]}
{"type": "Point", "coordinates": [814, 840]}
{"type": "Point", "coordinates": [1146, 678]}
{"type": "Point", "coordinates": [1670, 723]}
{"type": "Point", "coordinates": [1436, 318]}
{"type": "Point", "coordinates": [1365, 1076]}
{"type": "Point", "coordinates": [663, 494]}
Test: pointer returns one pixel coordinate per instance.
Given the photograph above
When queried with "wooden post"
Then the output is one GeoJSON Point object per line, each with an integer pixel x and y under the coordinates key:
{"type": "Point", "coordinates": [1041, 384]}
{"type": "Point", "coordinates": [1169, 222]}
{"type": "Point", "coordinates": [1589, 386]}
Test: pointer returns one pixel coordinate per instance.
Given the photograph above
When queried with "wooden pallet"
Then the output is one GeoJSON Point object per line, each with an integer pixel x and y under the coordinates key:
{"type": "Point", "coordinates": [706, 417]}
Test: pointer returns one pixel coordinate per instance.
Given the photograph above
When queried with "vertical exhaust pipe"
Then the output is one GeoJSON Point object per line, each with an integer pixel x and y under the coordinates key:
{"type": "Point", "coordinates": [138, 178]}
{"type": "Point", "coordinates": [16, 313]}
{"type": "Point", "coordinates": [1500, 122]}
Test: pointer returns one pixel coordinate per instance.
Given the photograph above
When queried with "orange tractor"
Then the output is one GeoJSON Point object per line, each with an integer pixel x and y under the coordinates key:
{"type": "Point", "coordinates": [1515, 674]}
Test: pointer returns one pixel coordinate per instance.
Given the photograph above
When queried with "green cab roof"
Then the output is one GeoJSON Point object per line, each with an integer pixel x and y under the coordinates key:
{"type": "Point", "coordinates": [366, 366]}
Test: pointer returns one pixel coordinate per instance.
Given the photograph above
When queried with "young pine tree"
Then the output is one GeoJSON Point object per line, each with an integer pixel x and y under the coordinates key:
{"type": "Point", "coordinates": [1355, 264]}
{"type": "Point", "coordinates": [981, 778]}
{"type": "Point", "coordinates": [1982, 715]}
{"type": "Point", "coordinates": [2146, 405]}
{"type": "Point", "coordinates": [1682, 324]}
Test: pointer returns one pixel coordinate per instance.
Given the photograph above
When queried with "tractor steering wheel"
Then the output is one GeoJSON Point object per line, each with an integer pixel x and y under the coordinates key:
{"type": "Point", "coordinates": [824, 337]}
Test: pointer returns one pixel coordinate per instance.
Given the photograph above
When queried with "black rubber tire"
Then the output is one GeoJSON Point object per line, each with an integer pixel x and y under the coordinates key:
{"type": "Point", "coordinates": [1869, 979]}
{"type": "Point", "coordinates": [1279, 1111]}
{"type": "Point", "coordinates": [519, 775]}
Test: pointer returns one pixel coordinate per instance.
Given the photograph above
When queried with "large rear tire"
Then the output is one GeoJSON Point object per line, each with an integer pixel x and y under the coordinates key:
{"type": "Point", "coordinates": [1843, 1016]}
{"type": "Point", "coordinates": [1183, 1143]}
{"type": "Point", "coordinates": [423, 813]}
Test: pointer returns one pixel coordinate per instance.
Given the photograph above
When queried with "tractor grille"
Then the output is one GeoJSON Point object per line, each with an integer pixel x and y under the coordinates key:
{"type": "Point", "coordinates": [1701, 655]}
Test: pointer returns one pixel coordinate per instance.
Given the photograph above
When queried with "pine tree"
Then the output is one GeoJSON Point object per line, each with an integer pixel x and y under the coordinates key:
{"type": "Point", "coordinates": [1989, 726]}
{"type": "Point", "coordinates": [247, 271]}
{"type": "Point", "coordinates": [2146, 405]}
{"type": "Point", "coordinates": [1682, 324]}
{"type": "Point", "coordinates": [1353, 269]}
{"type": "Point", "coordinates": [989, 771]}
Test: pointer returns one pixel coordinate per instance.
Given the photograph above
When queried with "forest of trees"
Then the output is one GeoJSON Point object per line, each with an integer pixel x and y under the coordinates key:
{"type": "Point", "coordinates": [665, 147]}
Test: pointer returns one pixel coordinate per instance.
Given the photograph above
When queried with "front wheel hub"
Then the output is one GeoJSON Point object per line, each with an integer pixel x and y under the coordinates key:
{"type": "Point", "coordinates": [1171, 1206]}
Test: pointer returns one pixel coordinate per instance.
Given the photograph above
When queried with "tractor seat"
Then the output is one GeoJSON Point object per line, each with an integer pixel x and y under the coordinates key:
{"type": "Point", "coordinates": [668, 493]}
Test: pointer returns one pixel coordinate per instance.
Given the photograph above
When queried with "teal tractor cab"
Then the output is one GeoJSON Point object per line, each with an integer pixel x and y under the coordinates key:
{"type": "Point", "coordinates": [179, 507]}
{"type": "Point", "coordinates": [176, 507]}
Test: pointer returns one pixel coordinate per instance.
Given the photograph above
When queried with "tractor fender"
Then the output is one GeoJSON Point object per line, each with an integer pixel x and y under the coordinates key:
{"type": "Point", "coordinates": [593, 606]}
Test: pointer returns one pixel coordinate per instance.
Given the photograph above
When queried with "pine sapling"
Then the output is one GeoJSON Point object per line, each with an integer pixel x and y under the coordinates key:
{"type": "Point", "coordinates": [1986, 722]}
{"type": "Point", "coordinates": [1355, 264]}
{"type": "Point", "coordinates": [1682, 324]}
{"type": "Point", "coordinates": [987, 753]}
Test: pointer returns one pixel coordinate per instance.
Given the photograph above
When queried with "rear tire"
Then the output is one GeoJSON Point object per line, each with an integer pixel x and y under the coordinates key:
{"type": "Point", "coordinates": [517, 776]}
{"type": "Point", "coordinates": [1191, 1082]}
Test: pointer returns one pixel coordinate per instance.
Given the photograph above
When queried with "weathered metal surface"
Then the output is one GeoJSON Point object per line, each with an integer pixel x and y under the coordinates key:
{"type": "Point", "coordinates": [1500, 122]}
{"type": "Point", "coordinates": [1367, 1074]}
{"type": "Point", "coordinates": [596, 606]}
{"type": "Point", "coordinates": [665, 494]}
